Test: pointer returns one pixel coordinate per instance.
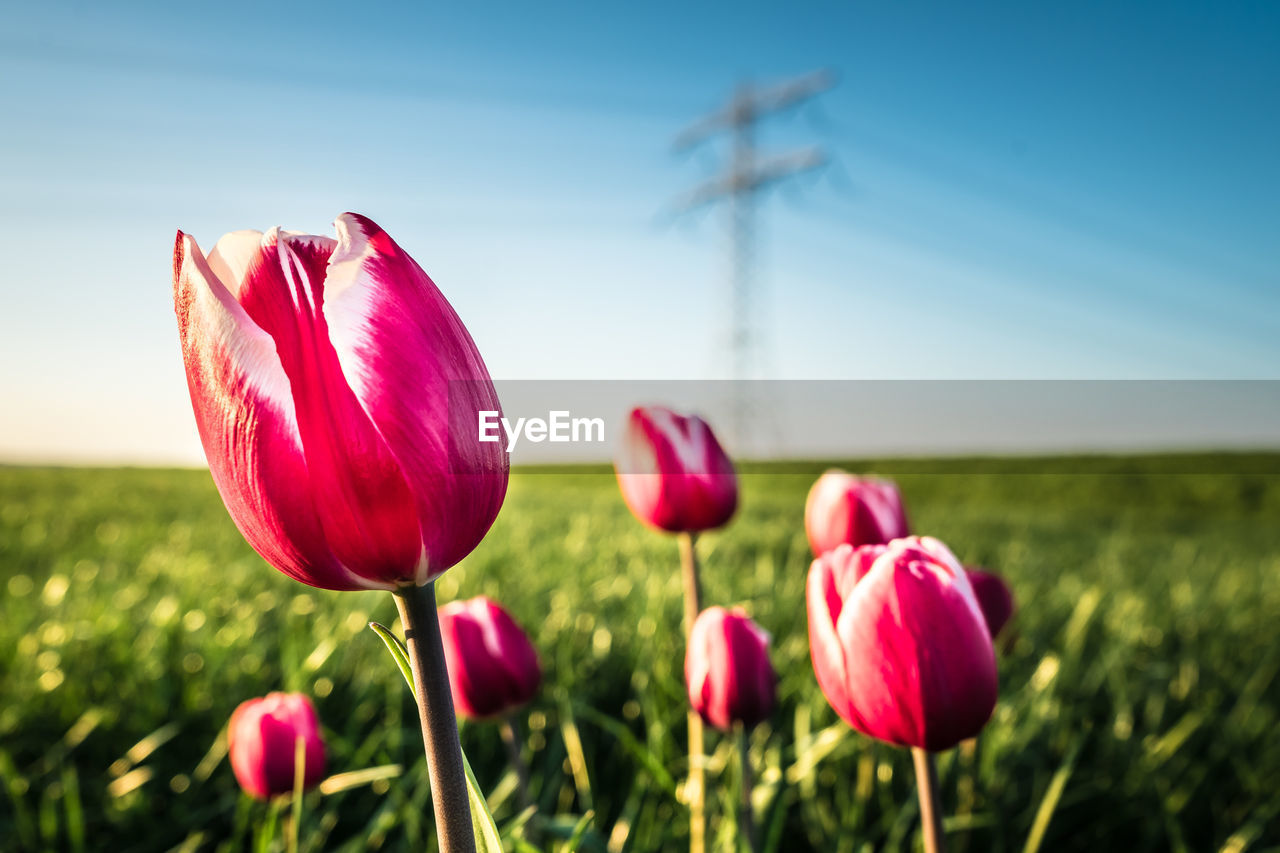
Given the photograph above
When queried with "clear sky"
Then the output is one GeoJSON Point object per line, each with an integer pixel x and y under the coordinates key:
{"type": "Point", "coordinates": [1017, 191]}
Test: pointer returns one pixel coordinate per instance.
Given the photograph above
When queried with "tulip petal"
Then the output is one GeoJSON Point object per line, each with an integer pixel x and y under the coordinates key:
{"type": "Point", "coordinates": [698, 663]}
{"type": "Point", "coordinates": [492, 665]}
{"type": "Point", "coordinates": [932, 681]}
{"type": "Point", "coordinates": [261, 740]}
{"type": "Point", "coordinates": [244, 744]}
{"type": "Point", "coordinates": [231, 257]}
{"type": "Point", "coordinates": [408, 359]}
{"type": "Point", "coordinates": [244, 411]}
{"type": "Point", "coordinates": [673, 473]}
{"type": "Point", "coordinates": [361, 495]}
{"type": "Point", "coordinates": [831, 578]}
{"type": "Point", "coordinates": [708, 488]}
{"type": "Point", "coordinates": [885, 684]}
{"type": "Point", "coordinates": [842, 508]}
{"type": "Point", "coordinates": [721, 683]}
{"type": "Point", "coordinates": [994, 597]}
{"type": "Point", "coordinates": [510, 647]}
{"type": "Point", "coordinates": [287, 717]}
{"type": "Point", "coordinates": [727, 670]}
{"type": "Point", "coordinates": [478, 681]}
{"type": "Point", "coordinates": [753, 691]}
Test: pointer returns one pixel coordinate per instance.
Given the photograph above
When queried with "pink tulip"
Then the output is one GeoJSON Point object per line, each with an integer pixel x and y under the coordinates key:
{"type": "Point", "coordinates": [261, 739]}
{"type": "Point", "coordinates": [321, 373]}
{"type": "Point", "coordinates": [846, 510]}
{"type": "Point", "coordinates": [994, 597]}
{"type": "Point", "coordinates": [673, 473]}
{"type": "Point", "coordinates": [899, 643]}
{"type": "Point", "coordinates": [493, 668]}
{"type": "Point", "coordinates": [727, 669]}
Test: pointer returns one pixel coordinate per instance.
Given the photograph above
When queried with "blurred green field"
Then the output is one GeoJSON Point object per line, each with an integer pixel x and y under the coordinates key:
{"type": "Point", "coordinates": [1139, 704]}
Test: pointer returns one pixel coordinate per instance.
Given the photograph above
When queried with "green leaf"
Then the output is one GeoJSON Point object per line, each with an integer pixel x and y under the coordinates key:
{"type": "Point", "coordinates": [398, 652]}
{"type": "Point", "coordinates": [1050, 800]}
{"type": "Point", "coordinates": [651, 761]}
{"type": "Point", "coordinates": [514, 828]}
{"type": "Point", "coordinates": [482, 823]}
{"type": "Point", "coordinates": [584, 823]}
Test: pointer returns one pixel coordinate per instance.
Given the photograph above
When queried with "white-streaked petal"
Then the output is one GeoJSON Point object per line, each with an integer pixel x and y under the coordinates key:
{"type": "Point", "coordinates": [244, 410]}
{"type": "Point", "coordinates": [230, 258]}
{"type": "Point", "coordinates": [417, 373]}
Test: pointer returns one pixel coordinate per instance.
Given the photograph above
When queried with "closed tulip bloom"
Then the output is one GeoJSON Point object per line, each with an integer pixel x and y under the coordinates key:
{"type": "Point", "coordinates": [899, 644]}
{"type": "Point", "coordinates": [727, 669]}
{"type": "Point", "coordinates": [493, 667]}
{"type": "Point", "coordinates": [261, 740]}
{"type": "Point", "coordinates": [846, 510]}
{"type": "Point", "coordinates": [321, 374]}
{"type": "Point", "coordinates": [673, 473]}
{"type": "Point", "coordinates": [994, 597]}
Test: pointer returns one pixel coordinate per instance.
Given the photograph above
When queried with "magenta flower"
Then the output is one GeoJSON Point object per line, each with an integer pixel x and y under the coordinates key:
{"type": "Point", "coordinates": [261, 739]}
{"type": "Point", "coordinates": [493, 667]}
{"type": "Point", "coordinates": [320, 373]}
{"type": "Point", "coordinates": [846, 510]}
{"type": "Point", "coordinates": [727, 669]}
{"type": "Point", "coordinates": [673, 473]}
{"type": "Point", "coordinates": [899, 644]}
{"type": "Point", "coordinates": [994, 597]}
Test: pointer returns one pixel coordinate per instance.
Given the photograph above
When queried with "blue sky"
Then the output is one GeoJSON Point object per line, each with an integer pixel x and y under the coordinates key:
{"type": "Point", "coordinates": [1016, 191]}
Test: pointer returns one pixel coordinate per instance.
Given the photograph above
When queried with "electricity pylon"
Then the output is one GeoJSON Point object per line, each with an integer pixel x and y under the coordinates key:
{"type": "Point", "coordinates": [748, 173]}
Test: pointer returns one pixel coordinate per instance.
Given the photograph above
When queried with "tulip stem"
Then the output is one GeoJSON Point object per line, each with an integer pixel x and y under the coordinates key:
{"type": "Point", "coordinates": [265, 837]}
{"type": "Point", "coordinates": [417, 605]}
{"type": "Point", "coordinates": [927, 788]}
{"type": "Point", "coordinates": [299, 778]}
{"type": "Point", "coordinates": [512, 740]}
{"type": "Point", "coordinates": [695, 790]}
{"type": "Point", "coordinates": [692, 585]}
{"type": "Point", "coordinates": [746, 818]}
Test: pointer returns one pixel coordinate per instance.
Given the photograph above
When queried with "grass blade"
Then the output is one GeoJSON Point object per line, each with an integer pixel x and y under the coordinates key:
{"type": "Point", "coordinates": [629, 742]}
{"type": "Point", "coordinates": [580, 830]}
{"type": "Point", "coordinates": [74, 809]}
{"type": "Point", "coordinates": [1050, 801]}
{"type": "Point", "coordinates": [355, 778]}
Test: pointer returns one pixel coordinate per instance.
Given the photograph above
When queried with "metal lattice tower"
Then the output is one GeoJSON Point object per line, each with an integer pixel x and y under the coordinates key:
{"type": "Point", "coordinates": [748, 174]}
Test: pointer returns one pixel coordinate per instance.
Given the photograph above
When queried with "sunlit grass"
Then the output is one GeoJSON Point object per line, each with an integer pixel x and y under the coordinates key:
{"type": "Point", "coordinates": [1138, 705]}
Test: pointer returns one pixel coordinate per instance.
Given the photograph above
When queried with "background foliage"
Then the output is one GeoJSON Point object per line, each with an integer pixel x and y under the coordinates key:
{"type": "Point", "coordinates": [1138, 703]}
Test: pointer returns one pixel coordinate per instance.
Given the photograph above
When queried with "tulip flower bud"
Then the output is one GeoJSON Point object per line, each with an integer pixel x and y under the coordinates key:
{"type": "Point", "coordinates": [327, 377]}
{"type": "Point", "coordinates": [727, 669]}
{"type": "Point", "coordinates": [994, 597]}
{"type": "Point", "coordinates": [899, 643]}
{"type": "Point", "coordinates": [493, 667]}
{"type": "Point", "coordinates": [261, 739]}
{"type": "Point", "coordinates": [673, 473]}
{"type": "Point", "coordinates": [846, 510]}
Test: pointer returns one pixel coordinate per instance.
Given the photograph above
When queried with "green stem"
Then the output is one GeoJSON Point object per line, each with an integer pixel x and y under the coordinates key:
{"type": "Point", "coordinates": [927, 788]}
{"type": "Point", "coordinates": [746, 819]}
{"type": "Point", "coordinates": [510, 737]}
{"type": "Point", "coordinates": [299, 776]}
{"type": "Point", "coordinates": [417, 607]}
{"type": "Point", "coordinates": [512, 740]}
{"type": "Point", "coordinates": [696, 788]}
{"type": "Point", "coordinates": [264, 838]}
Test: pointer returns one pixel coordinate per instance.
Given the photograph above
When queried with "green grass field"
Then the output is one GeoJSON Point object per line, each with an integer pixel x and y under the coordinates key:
{"type": "Point", "coordinates": [1139, 706]}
